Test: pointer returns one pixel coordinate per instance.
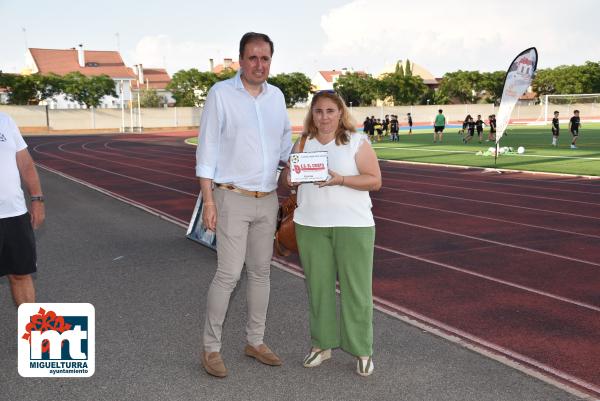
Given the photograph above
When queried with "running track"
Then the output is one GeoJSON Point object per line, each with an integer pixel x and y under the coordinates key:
{"type": "Point", "coordinates": [507, 262]}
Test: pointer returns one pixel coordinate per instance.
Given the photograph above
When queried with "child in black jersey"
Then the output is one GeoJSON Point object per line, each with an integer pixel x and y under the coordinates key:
{"type": "Point", "coordinates": [479, 127]}
{"type": "Point", "coordinates": [470, 129]}
{"type": "Point", "coordinates": [555, 129]}
{"type": "Point", "coordinates": [492, 122]}
{"type": "Point", "coordinates": [574, 125]}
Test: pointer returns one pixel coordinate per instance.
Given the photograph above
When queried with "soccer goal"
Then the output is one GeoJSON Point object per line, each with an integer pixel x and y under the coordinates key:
{"type": "Point", "coordinates": [588, 105]}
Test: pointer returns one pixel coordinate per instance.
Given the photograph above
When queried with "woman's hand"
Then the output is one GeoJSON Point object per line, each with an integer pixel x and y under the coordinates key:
{"type": "Point", "coordinates": [335, 179]}
{"type": "Point", "coordinates": [209, 216]}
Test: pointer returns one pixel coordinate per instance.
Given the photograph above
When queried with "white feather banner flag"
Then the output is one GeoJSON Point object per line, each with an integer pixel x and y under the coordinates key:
{"type": "Point", "coordinates": [518, 79]}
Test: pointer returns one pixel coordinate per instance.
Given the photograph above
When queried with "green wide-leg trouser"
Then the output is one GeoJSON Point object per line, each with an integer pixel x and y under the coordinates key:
{"type": "Point", "coordinates": [345, 253]}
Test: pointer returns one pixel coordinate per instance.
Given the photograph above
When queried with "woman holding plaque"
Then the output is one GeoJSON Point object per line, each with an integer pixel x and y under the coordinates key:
{"type": "Point", "coordinates": [335, 232]}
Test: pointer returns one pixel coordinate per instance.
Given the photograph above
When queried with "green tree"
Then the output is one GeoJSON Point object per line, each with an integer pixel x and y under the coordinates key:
{"type": "Point", "coordinates": [493, 85]}
{"type": "Point", "coordinates": [357, 88]}
{"type": "Point", "coordinates": [31, 89]}
{"type": "Point", "coordinates": [461, 86]}
{"type": "Point", "coordinates": [402, 86]}
{"type": "Point", "coordinates": [226, 74]}
{"type": "Point", "coordinates": [190, 87]}
{"type": "Point", "coordinates": [88, 91]}
{"type": "Point", "coordinates": [566, 79]}
{"type": "Point", "coordinates": [295, 87]}
{"type": "Point", "coordinates": [149, 98]}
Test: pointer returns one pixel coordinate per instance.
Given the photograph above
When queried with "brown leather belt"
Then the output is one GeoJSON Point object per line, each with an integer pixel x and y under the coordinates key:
{"type": "Point", "coordinates": [254, 194]}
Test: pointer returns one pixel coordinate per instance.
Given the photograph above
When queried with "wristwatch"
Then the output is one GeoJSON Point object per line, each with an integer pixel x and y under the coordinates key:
{"type": "Point", "coordinates": [39, 198]}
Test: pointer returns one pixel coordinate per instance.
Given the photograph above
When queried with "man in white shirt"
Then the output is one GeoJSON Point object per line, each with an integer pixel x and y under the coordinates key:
{"type": "Point", "coordinates": [17, 242]}
{"type": "Point", "coordinates": [244, 134]}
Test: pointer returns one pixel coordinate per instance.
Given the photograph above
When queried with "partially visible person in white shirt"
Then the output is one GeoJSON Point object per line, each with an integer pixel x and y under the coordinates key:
{"type": "Point", "coordinates": [244, 134]}
{"type": "Point", "coordinates": [17, 241]}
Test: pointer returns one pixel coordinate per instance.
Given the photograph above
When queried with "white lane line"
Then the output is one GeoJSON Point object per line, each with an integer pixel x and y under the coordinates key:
{"type": "Point", "coordinates": [523, 248]}
{"type": "Point", "coordinates": [113, 173]}
{"type": "Point", "coordinates": [393, 170]}
{"type": "Point", "coordinates": [124, 151]}
{"type": "Point", "coordinates": [470, 215]}
{"type": "Point", "coordinates": [428, 322]}
{"type": "Point", "coordinates": [490, 278]}
{"type": "Point", "coordinates": [88, 156]}
{"type": "Point", "coordinates": [493, 192]}
{"type": "Point", "coordinates": [86, 147]}
{"type": "Point", "coordinates": [494, 203]}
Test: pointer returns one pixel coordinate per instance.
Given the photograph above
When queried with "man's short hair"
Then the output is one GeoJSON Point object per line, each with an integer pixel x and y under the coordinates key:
{"type": "Point", "coordinates": [252, 36]}
{"type": "Point", "coordinates": [575, 111]}
{"type": "Point", "coordinates": [440, 110]}
{"type": "Point", "coordinates": [556, 112]}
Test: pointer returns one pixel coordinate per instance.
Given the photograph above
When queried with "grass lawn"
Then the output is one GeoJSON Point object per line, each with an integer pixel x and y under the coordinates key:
{"type": "Point", "coordinates": [539, 154]}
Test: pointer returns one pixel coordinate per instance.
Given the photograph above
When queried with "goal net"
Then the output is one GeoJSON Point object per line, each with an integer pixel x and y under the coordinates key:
{"type": "Point", "coordinates": [588, 105]}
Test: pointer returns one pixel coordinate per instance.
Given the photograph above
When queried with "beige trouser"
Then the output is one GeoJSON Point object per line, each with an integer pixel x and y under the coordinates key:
{"type": "Point", "coordinates": [245, 229]}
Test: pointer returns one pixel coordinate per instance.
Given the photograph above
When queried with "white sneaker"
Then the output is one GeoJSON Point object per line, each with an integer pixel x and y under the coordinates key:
{"type": "Point", "coordinates": [573, 147]}
{"type": "Point", "coordinates": [365, 367]}
{"type": "Point", "coordinates": [315, 358]}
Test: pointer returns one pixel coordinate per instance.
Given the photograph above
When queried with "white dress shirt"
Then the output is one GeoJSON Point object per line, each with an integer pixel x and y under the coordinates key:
{"type": "Point", "coordinates": [243, 138]}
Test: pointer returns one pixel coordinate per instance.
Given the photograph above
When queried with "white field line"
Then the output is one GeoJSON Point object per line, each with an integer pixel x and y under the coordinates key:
{"type": "Point", "coordinates": [471, 152]}
{"type": "Point", "coordinates": [502, 170]}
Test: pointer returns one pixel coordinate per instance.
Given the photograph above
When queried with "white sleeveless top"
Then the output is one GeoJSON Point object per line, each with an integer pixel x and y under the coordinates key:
{"type": "Point", "coordinates": [335, 206]}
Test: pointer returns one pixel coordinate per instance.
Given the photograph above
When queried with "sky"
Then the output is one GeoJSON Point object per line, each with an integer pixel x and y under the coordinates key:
{"type": "Point", "coordinates": [312, 35]}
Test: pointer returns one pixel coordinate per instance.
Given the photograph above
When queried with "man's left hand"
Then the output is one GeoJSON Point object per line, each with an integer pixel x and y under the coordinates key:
{"type": "Point", "coordinates": [38, 214]}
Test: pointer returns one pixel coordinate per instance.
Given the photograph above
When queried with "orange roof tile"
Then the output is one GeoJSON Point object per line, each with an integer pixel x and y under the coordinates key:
{"type": "Point", "coordinates": [329, 75]}
{"type": "Point", "coordinates": [220, 67]}
{"type": "Point", "coordinates": [156, 78]}
{"type": "Point", "coordinates": [62, 62]}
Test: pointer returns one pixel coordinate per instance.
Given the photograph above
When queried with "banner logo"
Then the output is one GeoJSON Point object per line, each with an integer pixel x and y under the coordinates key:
{"type": "Point", "coordinates": [56, 340]}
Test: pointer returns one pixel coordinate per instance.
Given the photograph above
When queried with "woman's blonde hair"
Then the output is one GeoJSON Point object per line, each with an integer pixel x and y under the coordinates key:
{"type": "Point", "coordinates": [346, 124]}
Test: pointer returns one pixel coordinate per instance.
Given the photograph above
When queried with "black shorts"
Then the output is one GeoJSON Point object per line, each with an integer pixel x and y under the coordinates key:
{"type": "Point", "coordinates": [575, 132]}
{"type": "Point", "coordinates": [438, 128]}
{"type": "Point", "coordinates": [471, 132]}
{"type": "Point", "coordinates": [479, 131]}
{"type": "Point", "coordinates": [555, 132]}
{"type": "Point", "coordinates": [17, 246]}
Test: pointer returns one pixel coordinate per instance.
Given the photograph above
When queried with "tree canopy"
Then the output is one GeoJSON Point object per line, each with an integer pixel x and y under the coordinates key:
{"type": "Point", "coordinates": [295, 87]}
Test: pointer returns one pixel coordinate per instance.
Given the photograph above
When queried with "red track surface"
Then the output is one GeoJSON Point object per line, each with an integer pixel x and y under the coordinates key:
{"type": "Point", "coordinates": [510, 262]}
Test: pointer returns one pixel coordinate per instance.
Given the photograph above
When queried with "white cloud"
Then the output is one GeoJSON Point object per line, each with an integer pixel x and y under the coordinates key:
{"type": "Point", "coordinates": [163, 51]}
{"type": "Point", "coordinates": [446, 36]}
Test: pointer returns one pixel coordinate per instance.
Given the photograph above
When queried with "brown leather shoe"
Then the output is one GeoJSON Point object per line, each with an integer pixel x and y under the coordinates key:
{"type": "Point", "coordinates": [213, 364]}
{"type": "Point", "coordinates": [263, 354]}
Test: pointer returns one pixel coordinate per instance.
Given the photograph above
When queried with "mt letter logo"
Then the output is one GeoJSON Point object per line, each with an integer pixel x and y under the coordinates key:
{"type": "Point", "coordinates": [56, 340]}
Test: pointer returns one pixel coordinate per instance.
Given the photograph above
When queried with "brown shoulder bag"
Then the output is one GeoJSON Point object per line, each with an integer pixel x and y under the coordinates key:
{"type": "Point", "coordinates": [285, 235]}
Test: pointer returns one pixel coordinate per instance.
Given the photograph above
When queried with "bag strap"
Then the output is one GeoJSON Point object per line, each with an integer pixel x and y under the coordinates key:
{"type": "Point", "coordinates": [303, 142]}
